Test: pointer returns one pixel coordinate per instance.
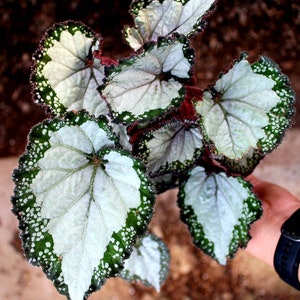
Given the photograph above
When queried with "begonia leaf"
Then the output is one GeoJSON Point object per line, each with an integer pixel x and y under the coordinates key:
{"type": "Point", "coordinates": [154, 19]}
{"type": "Point", "coordinates": [172, 148]}
{"type": "Point", "coordinates": [236, 110]}
{"type": "Point", "coordinates": [218, 211]}
{"type": "Point", "coordinates": [66, 75]}
{"type": "Point", "coordinates": [149, 84]}
{"type": "Point", "coordinates": [81, 202]}
{"type": "Point", "coordinates": [148, 263]}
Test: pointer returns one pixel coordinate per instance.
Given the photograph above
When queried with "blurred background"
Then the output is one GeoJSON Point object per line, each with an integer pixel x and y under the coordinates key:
{"type": "Point", "coordinates": [262, 27]}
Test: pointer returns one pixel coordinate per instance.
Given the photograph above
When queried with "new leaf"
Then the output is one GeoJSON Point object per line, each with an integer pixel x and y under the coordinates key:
{"type": "Point", "coordinates": [171, 149]}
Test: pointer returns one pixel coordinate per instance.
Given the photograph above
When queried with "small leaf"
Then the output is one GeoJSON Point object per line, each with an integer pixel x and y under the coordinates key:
{"type": "Point", "coordinates": [148, 263]}
{"type": "Point", "coordinates": [218, 211]}
{"type": "Point", "coordinates": [235, 111]}
{"type": "Point", "coordinates": [65, 75]}
{"type": "Point", "coordinates": [147, 85]}
{"type": "Point", "coordinates": [172, 148]}
{"type": "Point", "coordinates": [81, 203]}
{"type": "Point", "coordinates": [154, 19]}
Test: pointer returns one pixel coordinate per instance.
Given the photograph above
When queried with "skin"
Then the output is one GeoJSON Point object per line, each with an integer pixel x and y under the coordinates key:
{"type": "Point", "coordinates": [278, 205]}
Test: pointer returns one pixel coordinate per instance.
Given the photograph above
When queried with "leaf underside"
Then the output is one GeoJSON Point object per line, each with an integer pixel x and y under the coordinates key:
{"type": "Point", "coordinates": [165, 182]}
{"type": "Point", "coordinates": [218, 211]}
{"type": "Point", "coordinates": [81, 203]}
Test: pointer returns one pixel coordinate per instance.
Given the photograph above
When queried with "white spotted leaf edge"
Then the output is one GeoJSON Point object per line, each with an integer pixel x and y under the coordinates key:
{"type": "Point", "coordinates": [85, 194]}
{"type": "Point", "coordinates": [138, 89]}
{"type": "Point", "coordinates": [164, 18]}
{"type": "Point", "coordinates": [218, 211]}
{"type": "Point", "coordinates": [65, 76]}
{"type": "Point", "coordinates": [235, 113]}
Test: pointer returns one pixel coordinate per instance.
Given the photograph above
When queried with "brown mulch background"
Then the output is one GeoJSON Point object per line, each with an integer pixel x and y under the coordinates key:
{"type": "Point", "coordinates": [270, 28]}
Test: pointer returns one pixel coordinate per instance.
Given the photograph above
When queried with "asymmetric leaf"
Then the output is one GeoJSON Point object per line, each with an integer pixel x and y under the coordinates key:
{"type": "Point", "coordinates": [81, 203]}
{"type": "Point", "coordinates": [154, 19]}
{"type": "Point", "coordinates": [218, 211]}
{"type": "Point", "coordinates": [235, 111]}
{"type": "Point", "coordinates": [65, 76]}
{"type": "Point", "coordinates": [148, 263]}
{"type": "Point", "coordinates": [172, 148]}
{"type": "Point", "coordinates": [148, 85]}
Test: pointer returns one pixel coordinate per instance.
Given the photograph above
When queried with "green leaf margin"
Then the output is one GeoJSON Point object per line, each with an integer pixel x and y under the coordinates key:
{"type": "Point", "coordinates": [42, 91]}
{"type": "Point", "coordinates": [281, 116]}
{"type": "Point", "coordinates": [252, 211]}
{"type": "Point", "coordinates": [33, 226]}
{"type": "Point", "coordinates": [127, 117]}
{"type": "Point", "coordinates": [176, 167]}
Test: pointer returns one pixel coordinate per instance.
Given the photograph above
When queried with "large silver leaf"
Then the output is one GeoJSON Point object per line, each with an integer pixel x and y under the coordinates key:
{"type": "Point", "coordinates": [280, 119]}
{"type": "Point", "coordinates": [88, 201]}
{"type": "Point", "coordinates": [163, 18]}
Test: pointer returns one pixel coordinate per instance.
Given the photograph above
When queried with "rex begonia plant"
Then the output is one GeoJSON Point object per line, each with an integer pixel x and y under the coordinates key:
{"type": "Point", "coordinates": [123, 131]}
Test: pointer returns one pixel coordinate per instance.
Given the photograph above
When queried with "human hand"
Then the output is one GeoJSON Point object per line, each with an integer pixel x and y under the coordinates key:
{"type": "Point", "coordinates": [278, 205]}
